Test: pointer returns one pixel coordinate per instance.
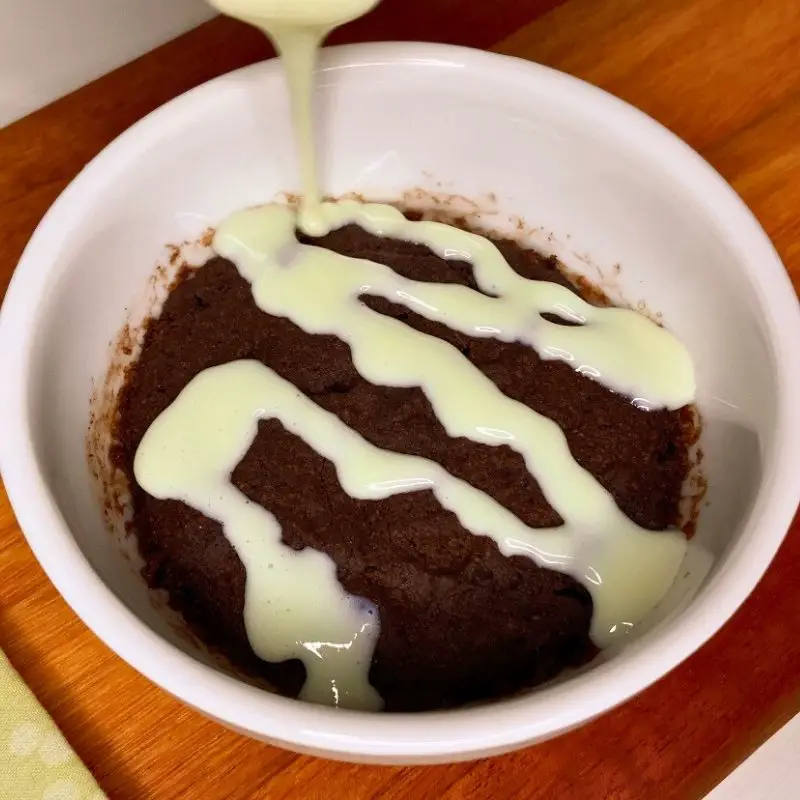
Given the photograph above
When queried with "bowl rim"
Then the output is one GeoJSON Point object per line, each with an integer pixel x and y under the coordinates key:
{"type": "Point", "coordinates": [428, 736]}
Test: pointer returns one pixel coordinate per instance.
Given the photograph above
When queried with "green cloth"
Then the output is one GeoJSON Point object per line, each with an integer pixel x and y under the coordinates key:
{"type": "Point", "coordinates": [36, 763]}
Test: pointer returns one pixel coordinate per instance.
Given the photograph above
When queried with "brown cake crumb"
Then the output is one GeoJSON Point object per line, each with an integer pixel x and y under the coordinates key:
{"type": "Point", "coordinates": [459, 621]}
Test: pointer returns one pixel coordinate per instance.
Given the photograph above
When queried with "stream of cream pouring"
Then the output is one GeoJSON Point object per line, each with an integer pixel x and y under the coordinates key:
{"type": "Point", "coordinates": [294, 604]}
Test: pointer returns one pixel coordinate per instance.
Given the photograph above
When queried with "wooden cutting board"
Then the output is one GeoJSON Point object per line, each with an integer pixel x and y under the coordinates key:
{"type": "Point", "coordinates": [724, 75]}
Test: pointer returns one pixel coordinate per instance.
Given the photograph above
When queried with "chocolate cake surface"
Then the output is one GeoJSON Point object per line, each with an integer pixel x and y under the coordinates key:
{"type": "Point", "coordinates": [459, 621]}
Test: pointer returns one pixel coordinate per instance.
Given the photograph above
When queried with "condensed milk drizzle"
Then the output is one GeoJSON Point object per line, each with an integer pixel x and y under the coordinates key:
{"type": "Point", "coordinates": [294, 604]}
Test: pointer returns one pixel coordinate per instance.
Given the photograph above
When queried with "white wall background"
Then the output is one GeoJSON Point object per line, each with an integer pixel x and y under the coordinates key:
{"type": "Point", "coordinates": [50, 47]}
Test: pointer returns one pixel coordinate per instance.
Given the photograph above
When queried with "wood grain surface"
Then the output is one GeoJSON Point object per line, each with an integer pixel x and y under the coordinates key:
{"type": "Point", "coordinates": [724, 75]}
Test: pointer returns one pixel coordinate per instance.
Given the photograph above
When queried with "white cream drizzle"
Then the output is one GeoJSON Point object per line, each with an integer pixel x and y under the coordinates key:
{"type": "Point", "coordinates": [294, 605]}
{"type": "Point", "coordinates": [626, 569]}
{"type": "Point", "coordinates": [622, 349]}
{"type": "Point", "coordinates": [297, 28]}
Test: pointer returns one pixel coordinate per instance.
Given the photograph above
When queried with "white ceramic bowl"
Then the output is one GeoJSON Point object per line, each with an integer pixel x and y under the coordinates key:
{"type": "Point", "coordinates": [604, 181]}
